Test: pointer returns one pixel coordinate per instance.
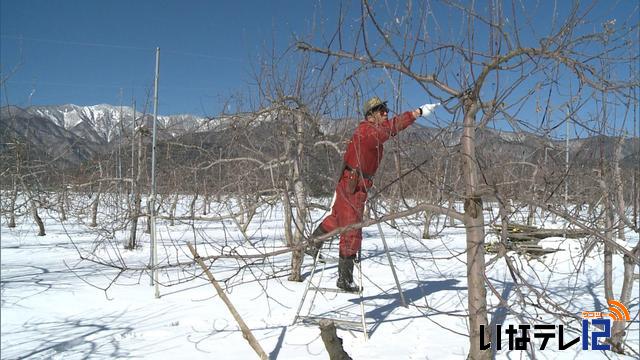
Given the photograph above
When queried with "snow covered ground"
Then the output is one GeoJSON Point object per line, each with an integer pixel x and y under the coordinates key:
{"type": "Point", "coordinates": [53, 305]}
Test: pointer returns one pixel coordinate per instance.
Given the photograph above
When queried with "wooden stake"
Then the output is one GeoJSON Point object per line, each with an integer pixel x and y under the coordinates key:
{"type": "Point", "coordinates": [246, 332]}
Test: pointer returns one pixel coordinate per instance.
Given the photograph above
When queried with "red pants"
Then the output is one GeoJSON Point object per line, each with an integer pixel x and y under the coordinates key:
{"type": "Point", "coordinates": [348, 209]}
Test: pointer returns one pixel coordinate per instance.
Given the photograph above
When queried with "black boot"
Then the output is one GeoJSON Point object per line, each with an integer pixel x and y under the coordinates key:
{"type": "Point", "coordinates": [345, 274]}
{"type": "Point", "coordinates": [313, 246]}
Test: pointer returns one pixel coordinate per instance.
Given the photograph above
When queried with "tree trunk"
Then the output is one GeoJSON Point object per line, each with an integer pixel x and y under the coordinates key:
{"type": "Point", "coordinates": [247, 217]}
{"type": "Point", "coordinates": [135, 214]}
{"type": "Point", "coordinates": [636, 198]}
{"type": "Point", "coordinates": [452, 221]}
{"type": "Point", "coordinates": [531, 217]}
{"type": "Point", "coordinates": [428, 218]}
{"type": "Point", "coordinates": [12, 205]}
{"type": "Point", "coordinates": [619, 188]}
{"type": "Point", "coordinates": [172, 211]}
{"type": "Point", "coordinates": [96, 201]}
{"type": "Point", "coordinates": [33, 203]}
{"type": "Point", "coordinates": [149, 209]}
{"type": "Point", "coordinates": [61, 201]}
{"type": "Point", "coordinates": [618, 328]}
{"type": "Point", "coordinates": [94, 208]}
{"type": "Point", "coordinates": [474, 226]}
{"type": "Point", "coordinates": [608, 270]}
{"type": "Point", "coordinates": [192, 206]}
{"type": "Point", "coordinates": [137, 196]}
{"type": "Point", "coordinates": [205, 207]}
{"type": "Point", "coordinates": [36, 217]}
{"type": "Point", "coordinates": [331, 341]}
{"type": "Point", "coordinates": [397, 192]}
{"type": "Point", "coordinates": [428, 215]}
{"type": "Point", "coordinates": [297, 254]}
{"type": "Point", "coordinates": [286, 207]}
{"type": "Point", "coordinates": [247, 212]}
{"type": "Point", "coordinates": [608, 233]}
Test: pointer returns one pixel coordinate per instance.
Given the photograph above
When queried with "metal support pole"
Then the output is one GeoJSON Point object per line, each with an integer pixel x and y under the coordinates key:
{"type": "Point", "coordinates": [120, 152]}
{"type": "Point", "coordinates": [566, 175]}
{"type": "Point", "coordinates": [566, 158]}
{"type": "Point", "coordinates": [154, 240]}
{"type": "Point", "coordinates": [133, 151]}
{"type": "Point", "coordinates": [635, 192]}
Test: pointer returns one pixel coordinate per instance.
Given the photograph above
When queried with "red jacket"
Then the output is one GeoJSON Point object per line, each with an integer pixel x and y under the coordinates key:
{"type": "Point", "coordinates": [365, 148]}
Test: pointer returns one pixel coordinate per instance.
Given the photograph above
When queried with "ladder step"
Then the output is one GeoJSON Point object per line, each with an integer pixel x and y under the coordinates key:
{"type": "Point", "coordinates": [318, 268]}
{"type": "Point", "coordinates": [328, 260]}
{"type": "Point", "coordinates": [315, 320]}
{"type": "Point", "coordinates": [331, 290]}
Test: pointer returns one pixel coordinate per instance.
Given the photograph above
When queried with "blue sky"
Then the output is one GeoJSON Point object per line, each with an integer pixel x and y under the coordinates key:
{"type": "Point", "coordinates": [85, 51]}
{"type": "Point", "coordinates": [89, 52]}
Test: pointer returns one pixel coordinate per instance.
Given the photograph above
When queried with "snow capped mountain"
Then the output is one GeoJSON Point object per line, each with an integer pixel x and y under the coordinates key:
{"type": "Point", "coordinates": [77, 133]}
{"type": "Point", "coordinates": [104, 123]}
{"type": "Point", "coordinates": [97, 123]}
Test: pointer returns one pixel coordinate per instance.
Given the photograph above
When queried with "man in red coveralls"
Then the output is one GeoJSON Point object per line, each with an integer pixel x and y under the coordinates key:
{"type": "Point", "coordinates": [361, 161]}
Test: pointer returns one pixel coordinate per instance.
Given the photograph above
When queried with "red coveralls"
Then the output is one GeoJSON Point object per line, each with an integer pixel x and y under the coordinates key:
{"type": "Point", "coordinates": [364, 154]}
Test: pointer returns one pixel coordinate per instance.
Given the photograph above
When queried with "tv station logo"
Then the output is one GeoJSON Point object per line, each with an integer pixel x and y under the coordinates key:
{"type": "Point", "coordinates": [520, 338]}
{"type": "Point", "coordinates": [618, 312]}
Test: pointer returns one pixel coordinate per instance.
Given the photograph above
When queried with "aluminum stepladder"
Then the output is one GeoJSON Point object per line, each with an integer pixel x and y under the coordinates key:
{"type": "Point", "coordinates": [317, 287]}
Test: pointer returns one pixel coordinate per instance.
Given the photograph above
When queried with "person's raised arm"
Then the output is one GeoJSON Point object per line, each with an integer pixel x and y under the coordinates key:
{"type": "Point", "coordinates": [402, 121]}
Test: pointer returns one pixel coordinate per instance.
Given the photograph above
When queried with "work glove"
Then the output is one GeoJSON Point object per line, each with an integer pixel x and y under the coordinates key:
{"type": "Point", "coordinates": [426, 109]}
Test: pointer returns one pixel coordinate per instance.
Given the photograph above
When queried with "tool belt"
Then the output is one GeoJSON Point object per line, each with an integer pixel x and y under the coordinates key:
{"type": "Point", "coordinates": [359, 172]}
{"type": "Point", "coordinates": [355, 175]}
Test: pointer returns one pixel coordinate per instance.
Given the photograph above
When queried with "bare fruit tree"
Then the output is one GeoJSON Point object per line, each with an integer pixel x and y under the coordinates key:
{"type": "Point", "coordinates": [482, 66]}
{"type": "Point", "coordinates": [242, 186]}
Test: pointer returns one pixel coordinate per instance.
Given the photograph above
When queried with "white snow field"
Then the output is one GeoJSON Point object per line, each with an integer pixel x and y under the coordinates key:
{"type": "Point", "coordinates": [54, 305]}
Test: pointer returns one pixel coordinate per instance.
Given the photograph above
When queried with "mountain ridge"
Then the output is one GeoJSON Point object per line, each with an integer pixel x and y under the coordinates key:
{"type": "Point", "coordinates": [82, 132]}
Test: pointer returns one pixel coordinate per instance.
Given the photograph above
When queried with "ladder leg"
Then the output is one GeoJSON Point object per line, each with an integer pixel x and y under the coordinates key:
{"type": "Point", "coordinates": [393, 268]}
{"type": "Point", "coordinates": [364, 323]}
{"type": "Point", "coordinates": [317, 288]}
{"type": "Point", "coordinates": [306, 290]}
{"type": "Point", "coordinates": [315, 293]}
{"type": "Point", "coordinates": [309, 283]}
